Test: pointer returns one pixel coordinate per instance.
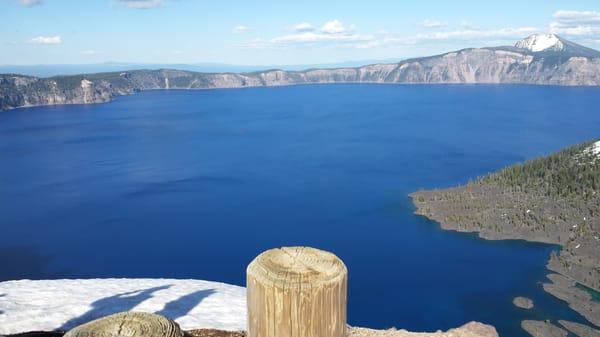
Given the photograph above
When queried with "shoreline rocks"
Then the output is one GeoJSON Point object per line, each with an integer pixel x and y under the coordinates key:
{"type": "Point", "coordinates": [471, 329]}
{"type": "Point", "coordinates": [579, 300]}
{"type": "Point", "coordinates": [579, 329]}
{"type": "Point", "coordinates": [523, 302]}
{"type": "Point", "coordinates": [543, 329]}
{"type": "Point", "coordinates": [472, 65]}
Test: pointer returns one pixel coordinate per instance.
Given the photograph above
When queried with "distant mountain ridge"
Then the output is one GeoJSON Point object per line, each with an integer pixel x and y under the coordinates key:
{"type": "Point", "coordinates": [49, 70]}
{"type": "Point", "coordinates": [546, 60]}
{"type": "Point", "coordinates": [552, 43]}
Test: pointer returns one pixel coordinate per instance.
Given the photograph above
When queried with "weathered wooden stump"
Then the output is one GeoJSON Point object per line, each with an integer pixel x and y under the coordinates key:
{"type": "Point", "coordinates": [128, 324]}
{"type": "Point", "coordinates": [296, 292]}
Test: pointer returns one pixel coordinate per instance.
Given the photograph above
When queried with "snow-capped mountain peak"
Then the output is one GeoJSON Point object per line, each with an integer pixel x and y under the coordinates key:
{"type": "Point", "coordinates": [541, 42]}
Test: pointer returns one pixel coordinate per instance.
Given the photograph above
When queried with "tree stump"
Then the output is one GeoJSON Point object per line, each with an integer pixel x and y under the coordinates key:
{"type": "Point", "coordinates": [131, 324]}
{"type": "Point", "coordinates": [296, 292]}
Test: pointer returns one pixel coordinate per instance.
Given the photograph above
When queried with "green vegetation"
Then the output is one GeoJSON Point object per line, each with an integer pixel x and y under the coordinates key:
{"type": "Point", "coordinates": [571, 173]}
{"type": "Point", "coordinates": [554, 199]}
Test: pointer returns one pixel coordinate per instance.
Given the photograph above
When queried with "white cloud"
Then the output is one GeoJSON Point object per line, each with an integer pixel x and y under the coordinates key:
{"type": "Point", "coordinates": [240, 29]}
{"type": "Point", "coordinates": [311, 37]}
{"type": "Point", "coordinates": [335, 33]}
{"type": "Point", "coordinates": [88, 52]}
{"type": "Point", "coordinates": [30, 2]}
{"type": "Point", "coordinates": [474, 34]}
{"type": "Point", "coordinates": [334, 27]}
{"type": "Point", "coordinates": [141, 4]}
{"type": "Point", "coordinates": [576, 23]}
{"type": "Point", "coordinates": [463, 36]}
{"type": "Point", "coordinates": [46, 40]}
{"type": "Point", "coordinates": [577, 17]}
{"type": "Point", "coordinates": [303, 27]}
{"type": "Point", "coordinates": [433, 24]}
{"type": "Point", "coordinates": [304, 34]}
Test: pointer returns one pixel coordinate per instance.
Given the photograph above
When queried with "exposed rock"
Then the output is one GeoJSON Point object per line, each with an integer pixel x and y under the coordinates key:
{"type": "Point", "coordinates": [214, 333]}
{"type": "Point", "coordinates": [472, 329]}
{"type": "Point", "coordinates": [571, 64]}
{"type": "Point", "coordinates": [578, 299]}
{"type": "Point", "coordinates": [523, 302]}
{"type": "Point", "coordinates": [579, 329]}
{"type": "Point", "coordinates": [549, 200]}
{"type": "Point", "coordinates": [543, 329]}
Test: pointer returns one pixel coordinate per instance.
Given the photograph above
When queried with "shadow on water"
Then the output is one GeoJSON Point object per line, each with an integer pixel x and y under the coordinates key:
{"type": "Point", "coordinates": [113, 304]}
{"type": "Point", "coordinates": [21, 262]}
{"type": "Point", "coordinates": [183, 305]}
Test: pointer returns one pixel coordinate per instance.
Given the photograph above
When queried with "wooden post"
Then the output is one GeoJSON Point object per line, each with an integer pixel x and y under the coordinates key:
{"type": "Point", "coordinates": [296, 292]}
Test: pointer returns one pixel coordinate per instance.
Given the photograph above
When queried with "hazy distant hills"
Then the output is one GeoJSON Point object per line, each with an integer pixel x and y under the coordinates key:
{"type": "Point", "coordinates": [538, 59]}
{"type": "Point", "coordinates": [48, 70]}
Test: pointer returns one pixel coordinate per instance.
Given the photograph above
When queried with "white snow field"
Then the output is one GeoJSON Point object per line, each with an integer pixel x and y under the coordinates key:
{"type": "Point", "coordinates": [540, 42]}
{"type": "Point", "coordinates": [62, 304]}
{"type": "Point", "coordinates": [595, 148]}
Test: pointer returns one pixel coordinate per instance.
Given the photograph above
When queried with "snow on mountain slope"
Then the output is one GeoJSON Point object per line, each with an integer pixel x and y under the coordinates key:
{"type": "Point", "coordinates": [541, 42]}
{"type": "Point", "coordinates": [596, 148]}
{"type": "Point", "coordinates": [62, 304]}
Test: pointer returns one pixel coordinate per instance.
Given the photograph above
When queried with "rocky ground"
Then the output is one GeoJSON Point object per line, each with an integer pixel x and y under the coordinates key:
{"type": "Point", "coordinates": [523, 302]}
{"type": "Point", "coordinates": [472, 329]}
{"type": "Point", "coordinates": [580, 329]}
{"type": "Point", "coordinates": [543, 329]}
{"type": "Point", "coordinates": [578, 299]}
{"type": "Point", "coordinates": [555, 203]}
{"type": "Point", "coordinates": [579, 66]}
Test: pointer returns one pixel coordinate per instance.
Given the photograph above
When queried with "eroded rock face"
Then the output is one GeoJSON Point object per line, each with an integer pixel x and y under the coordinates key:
{"type": "Point", "coordinates": [577, 66]}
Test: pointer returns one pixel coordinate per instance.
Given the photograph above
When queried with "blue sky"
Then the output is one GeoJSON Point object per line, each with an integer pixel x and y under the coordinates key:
{"type": "Point", "coordinates": [268, 32]}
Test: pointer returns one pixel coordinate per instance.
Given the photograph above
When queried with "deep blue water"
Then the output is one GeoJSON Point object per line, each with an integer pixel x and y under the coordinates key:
{"type": "Point", "coordinates": [194, 184]}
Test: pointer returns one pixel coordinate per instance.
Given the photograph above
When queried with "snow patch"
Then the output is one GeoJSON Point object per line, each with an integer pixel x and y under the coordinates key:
{"type": "Point", "coordinates": [86, 83]}
{"type": "Point", "coordinates": [507, 53]}
{"type": "Point", "coordinates": [592, 151]}
{"type": "Point", "coordinates": [595, 148]}
{"type": "Point", "coordinates": [541, 42]}
{"type": "Point", "coordinates": [62, 304]}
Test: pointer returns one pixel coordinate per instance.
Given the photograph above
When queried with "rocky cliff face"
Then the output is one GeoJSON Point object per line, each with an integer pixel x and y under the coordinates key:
{"type": "Point", "coordinates": [546, 59]}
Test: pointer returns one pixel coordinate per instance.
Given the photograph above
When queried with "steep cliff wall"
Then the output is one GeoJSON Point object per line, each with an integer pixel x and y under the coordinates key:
{"type": "Point", "coordinates": [482, 65]}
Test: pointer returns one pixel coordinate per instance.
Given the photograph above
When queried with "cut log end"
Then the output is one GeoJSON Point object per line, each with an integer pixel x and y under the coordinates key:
{"type": "Point", "coordinates": [128, 324]}
{"type": "Point", "coordinates": [296, 292]}
{"type": "Point", "coordinates": [290, 267]}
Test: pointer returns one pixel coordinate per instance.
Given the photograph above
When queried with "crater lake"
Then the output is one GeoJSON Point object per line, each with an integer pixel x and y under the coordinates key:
{"type": "Point", "coordinates": [195, 184]}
